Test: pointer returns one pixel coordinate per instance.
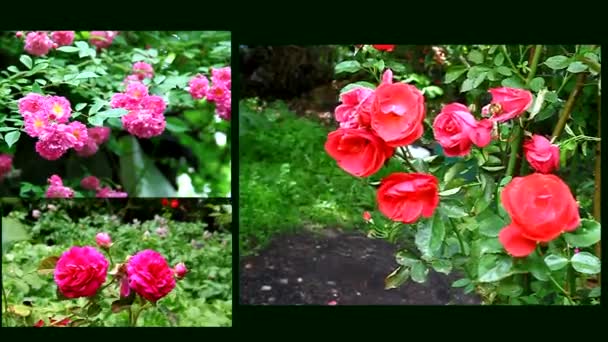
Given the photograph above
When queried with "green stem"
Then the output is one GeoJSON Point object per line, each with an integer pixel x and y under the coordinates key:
{"type": "Point", "coordinates": [561, 289]}
{"type": "Point", "coordinates": [506, 53]}
{"type": "Point", "coordinates": [131, 316]}
{"type": "Point", "coordinates": [565, 115]}
{"type": "Point", "coordinates": [457, 235]}
{"type": "Point", "coordinates": [136, 316]}
{"type": "Point", "coordinates": [538, 49]}
{"type": "Point", "coordinates": [406, 156]}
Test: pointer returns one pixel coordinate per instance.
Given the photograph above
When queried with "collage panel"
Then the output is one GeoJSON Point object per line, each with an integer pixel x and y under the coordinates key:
{"type": "Point", "coordinates": [419, 175]}
{"type": "Point", "coordinates": [116, 262]}
{"type": "Point", "coordinates": [115, 113]}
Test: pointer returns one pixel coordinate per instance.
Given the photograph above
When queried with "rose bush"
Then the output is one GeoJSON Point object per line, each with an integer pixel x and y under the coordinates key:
{"type": "Point", "coordinates": [147, 113]}
{"type": "Point", "coordinates": [514, 212]}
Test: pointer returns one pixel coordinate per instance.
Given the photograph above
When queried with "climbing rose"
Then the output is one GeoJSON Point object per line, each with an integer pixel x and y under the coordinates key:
{"type": "Point", "coordinates": [542, 155]}
{"type": "Point", "coordinates": [198, 87]}
{"type": "Point", "coordinates": [57, 190]}
{"type": "Point", "coordinates": [99, 134]}
{"type": "Point", "coordinates": [32, 103]}
{"type": "Point", "coordinates": [541, 207]}
{"type": "Point", "coordinates": [80, 271]}
{"type": "Point", "coordinates": [507, 103]}
{"type": "Point", "coordinates": [54, 141]}
{"type": "Point", "coordinates": [358, 151]}
{"type": "Point", "coordinates": [90, 183]}
{"type": "Point", "coordinates": [63, 37]}
{"type": "Point", "coordinates": [38, 43]}
{"type": "Point", "coordinates": [404, 197]}
{"type": "Point", "coordinates": [222, 76]}
{"type": "Point", "coordinates": [143, 70]}
{"type": "Point", "coordinates": [58, 108]}
{"type": "Point", "coordinates": [144, 123]}
{"type": "Point", "coordinates": [150, 275]}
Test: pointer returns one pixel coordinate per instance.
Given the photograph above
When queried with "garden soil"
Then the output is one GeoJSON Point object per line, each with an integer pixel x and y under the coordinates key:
{"type": "Point", "coordinates": [337, 268]}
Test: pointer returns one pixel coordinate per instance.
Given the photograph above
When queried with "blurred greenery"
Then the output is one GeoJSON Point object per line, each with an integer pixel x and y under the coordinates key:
{"type": "Point", "coordinates": [202, 298]}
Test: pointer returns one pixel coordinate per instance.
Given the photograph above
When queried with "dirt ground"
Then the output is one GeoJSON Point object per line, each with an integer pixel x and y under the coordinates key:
{"type": "Point", "coordinates": [336, 268]}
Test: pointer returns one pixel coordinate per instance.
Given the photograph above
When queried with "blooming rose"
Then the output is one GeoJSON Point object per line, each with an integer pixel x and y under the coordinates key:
{"type": "Point", "coordinates": [63, 37]}
{"type": "Point", "coordinates": [38, 43]}
{"type": "Point", "coordinates": [397, 113]}
{"type": "Point", "coordinates": [102, 39]}
{"type": "Point", "coordinates": [143, 70]}
{"type": "Point", "coordinates": [90, 183]}
{"type": "Point", "coordinates": [198, 87]}
{"type": "Point", "coordinates": [222, 76]}
{"type": "Point", "coordinates": [150, 275]}
{"type": "Point", "coordinates": [80, 271]}
{"type": "Point", "coordinates": [456, 130]}
{"type": "Point", "coordinates": [542, 155]}
{"type": "Point", "coordinates": [355, 109]}
{"type": "Point", "coordinates": [541, 208]}
{"type": "Point", "coordinates": [357, 151]}
{"type": "Point", "coordinates": [32, 103]}
{"type": "Point", "coordinates": [404, 197]}
{"type": "Point", "coordinates": [56, 188]}
{"type": "Point", "coordinates": [388, 48]}
{"type": "Point", "coordinates": [507, 103]}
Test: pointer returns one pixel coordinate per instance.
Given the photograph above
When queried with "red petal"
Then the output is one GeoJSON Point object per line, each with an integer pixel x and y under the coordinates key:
{"type": "Point", "coordinates": [515, 244]}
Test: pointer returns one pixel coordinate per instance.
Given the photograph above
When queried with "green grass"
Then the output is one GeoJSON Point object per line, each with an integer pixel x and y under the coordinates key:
{"type": "Point", "coordinates": [287, 181]}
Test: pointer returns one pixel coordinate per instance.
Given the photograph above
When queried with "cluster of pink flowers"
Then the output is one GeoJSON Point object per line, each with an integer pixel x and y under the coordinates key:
{"type": "Point", "coordinates": [46, 118]}
{"type": "Point", "coordinates": [94, 184]}
{"type": "Point", "coordinates": [81, 271]}
{"type": "Point", "coordinates": [95, 137]}
{"type": "Point", "coordinates": [57, 190]}
{"type": "Point", "coordinates": [102, 39]}
{"type": "Point", "coordinates": [141, 71]}
{"type": "Point", "coordinates": [39, 43]}
{"type": "Point", "coordinates": [6, 164]}
{"type": "Point", "coordinates": [145, 118]}
{"type": "Point", "coordinates": [219, 91]}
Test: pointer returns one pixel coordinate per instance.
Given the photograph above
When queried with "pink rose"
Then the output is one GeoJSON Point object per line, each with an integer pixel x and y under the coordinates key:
{"type": "Point", "coordinates": [456, 130]}
{"type": "Point", "coordinates": [103, 240]}
{"type": "Point", "coordinates": [507, 103]}
{"type": "Point", "coordinates": [80, 272]}
{"type": "Point", "coordinates": [180, 270]}
{"type": "Point", "coordinates": [355, 109]}
{"type": "Point", "coordinates": [6, 164]}
{"type": "Point", "coordinates": [63, 37]}
{"type": "Point", "coordinates": [150, 275]}
{"type": "Point", "coordinates": [541, 154]}
{"type": "Point", "coordinates": [90, 183]}
{"type": "Point", "coordinates": [57, 190]}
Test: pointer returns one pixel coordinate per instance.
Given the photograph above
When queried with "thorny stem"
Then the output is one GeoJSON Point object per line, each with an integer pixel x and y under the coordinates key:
{"type": "Point", "coordinates": [565, 115]}
{"type": "Point", "coordinates": [506, 53]}
{"type": "Point", "coordinates": [406, 156]}
{"type": "Point", "coordinates": [561, 289]}
{"type": "Point", "coordinates": [517, 133]}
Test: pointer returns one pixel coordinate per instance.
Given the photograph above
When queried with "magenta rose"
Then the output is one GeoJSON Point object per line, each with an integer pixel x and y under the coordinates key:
{"type": "Point", "coordinates": [507, 103]}
{"type": "Point", "coordinates": [456, 130]}
{"type": "Point", "coordinates": [150, 275]}
{"type": "Point", "coordinates": [542, 155]}
{"type": "Point", "coordinates": [80, 271]}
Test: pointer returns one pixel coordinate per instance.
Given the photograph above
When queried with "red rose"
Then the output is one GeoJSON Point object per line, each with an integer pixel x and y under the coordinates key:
{"type": "Point", "coordinates": [541, 208]}
{"type": "Point", "coordinates": [507, 103]}
{"type": "Point", "coordinates": [456, 130]}
{"type": "Point", "coordinates": [541, 154]}
{"type": "Point", "coordinates": [404, 197]}
{"type": "Point", "coordinates": [164, 202]}
{"type": "Point", "coordinates": [397, 113]}
{"type": "Point", "coordinates": [388, 48]}
{"type": "Point", "coordinates": [174, 203]}
{"type": "Point", "coordinates": [357, 151]}
{"type": "Point", "coordinates": [367, 216]}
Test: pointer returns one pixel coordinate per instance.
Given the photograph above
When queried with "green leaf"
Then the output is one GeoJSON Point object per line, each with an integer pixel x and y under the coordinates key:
{"type": "Point", "coordinates": [429, 237]}
{"type": "Point", "coordinates": [93, 310]}
{"type": "Point", "coordinates": [452, 211]}
{"type": "Point", "coordinates": [86, 74]}
{"type": "Point", "coordinates": [442, 266]}
{"type": "Point", "coordinates": [396, 278]}
{"type": "Point", "coordinates": [419, 272]}
{"type": "Point", "coordinates": [538, 103]}
{"type": "Point", "coordinates": [475, 56]}
{"type": "Point", "coordinates": [12, 137]}
{"type": "Point", "coordinates": [576, 67]}
{"type": "Point", "coordinates": [452, 172]}
{"type": "Point", "coordinates": [479, 79]}
{"type": "Point", "coordinates": [595, 292]}
{"type": "Point", "coordinates": [26, 60]}
{"type": "Point", "coordinates": [537, 83]}
{"type": "Point", "coordinates": [68, 49]}
{"type": "Point", "coordinates": [12, 231]}
{"type": "Point", "coordinates": [113, 113]}
{"type": "Point", "coordinates": [405, 258]}
{"type": "Point", "coordinates": [461, 282]}
{"type": "Point", "coordinates": [499, 59]}
{"type": "Point", "coordinates": [503, 70]}
{"type": "Point", "coordinates": [536, 265]}
{"type": "Point", "coordinates": [177, 125]}
{"type": "Point", "coordinates": [47, 265]}
{"type": "Point", "coordinates": [12, 68]}
{"type": "Point", "coordinates": [96, 107]}
{"type": "Point", "coordinates": [466, 85]}
{"type": "Point", "coordinates": [555, 262]}
{"type": "Point", "coordinates": [8, 129]}
{"type": "Point", "coordinates": [489, 246]}
{"type": "Point", "coordinates": [20, 310]}
{"type": "Point", "coordinates": [352, 86]}
{"type": "Point", "coordinates": [450, 192]}
{"type": "Point", "coordinates": [453, 73]}
{"type": "Point", "coordinates": [493, 268]}
{"type": "Point", "coordinates": [513, 82]}
{"type": "Point", "coordinates": [510, 289]}
{"type": "Point", "coordinates": [348, 67]}
{"type": "Point", "coordinates": [491, 225]}
{"type": "Point", "coordinates": [493, 168]}
{"type": "Point", "coordinates": [589, 233]}
{"type": "Point", "coordinates": [80, 106]}
{"type": "Point", "coordinates": [557, 62]}
{"type": "Point", "coordinates": [585, 262]}
{"type": "Point", "coordinates": [139, 175]}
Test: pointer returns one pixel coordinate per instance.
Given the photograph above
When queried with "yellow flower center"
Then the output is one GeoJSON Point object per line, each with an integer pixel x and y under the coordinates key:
{"type": "Point", "coordinates": [38, 123]}
{"type": "Point", "coordinates": [57, 109]}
